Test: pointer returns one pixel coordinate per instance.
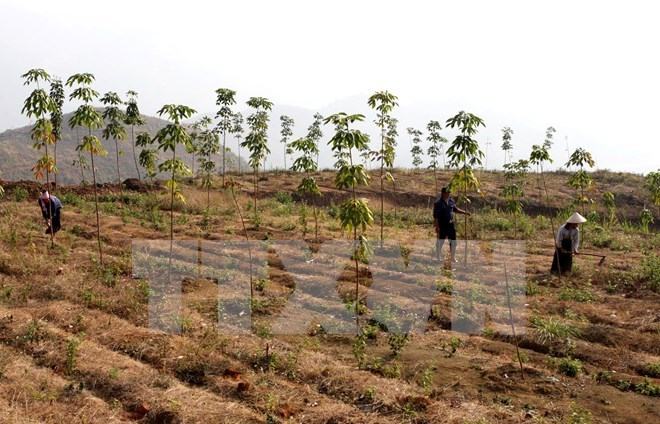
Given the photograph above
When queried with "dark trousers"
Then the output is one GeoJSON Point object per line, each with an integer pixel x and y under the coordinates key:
{"type": "Point", "coordinates": [446, 231]}
{"type": "Point", "coordinates": [56, 222]}
{"type": "Point", "coordinates": [563, 259]}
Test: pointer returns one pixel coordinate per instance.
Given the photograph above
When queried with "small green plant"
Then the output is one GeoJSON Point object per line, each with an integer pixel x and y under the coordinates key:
{"type": "Point", "coordinates": [359, 349]}
{"type": "Point", "coordinates": [579, 415]}
{"type": "Point", "coordinates": [576, 295]}
{"type": "Point", "coordinates": [569, 367]}
{"type": "Point", "coordinates": [397, 342]}
{"type": "Point", "coordinates": [610, 205]}
{"type": "Point", "coordinates": [20, 194]}
{"type": "Point", "coordinates": [646, 220]}
{"type": "Point", "coordinates": [71, 355]}
{"type": "Point", "coordinates": [552, 331]}
{"type": "Point", "coordinates": [426, 378]}
{"type": "Point", "coordinates": [369, 394]}
{"type": "Point", "coordinates": [650, 271]}
{"type": "Point", "coordinates": [452, 346]}
{"type": "Point", "coordinates": [652, 370]}
{"type": "Point", "coordinates": [33, 332]}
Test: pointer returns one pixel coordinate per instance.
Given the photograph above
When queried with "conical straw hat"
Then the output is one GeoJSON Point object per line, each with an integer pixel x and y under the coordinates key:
{"type": "Point", "coordinates": [576, 218]}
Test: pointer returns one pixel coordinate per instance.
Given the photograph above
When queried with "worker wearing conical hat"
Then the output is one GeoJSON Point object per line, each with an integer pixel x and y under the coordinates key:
{"type": "Point", "coordinates": [567, 244]}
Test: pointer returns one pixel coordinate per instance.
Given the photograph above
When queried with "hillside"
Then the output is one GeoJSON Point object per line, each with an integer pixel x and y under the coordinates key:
{"type": "Point", "coordinates": [101, 342]}
{"type": "Point", "coordinates": [17, 157]}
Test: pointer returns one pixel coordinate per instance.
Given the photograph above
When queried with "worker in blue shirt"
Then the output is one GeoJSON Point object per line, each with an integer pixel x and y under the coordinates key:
{"type": "Point", "coordinates": [51, 208]}
{"type": "Point", "coordinates": [443, 219]}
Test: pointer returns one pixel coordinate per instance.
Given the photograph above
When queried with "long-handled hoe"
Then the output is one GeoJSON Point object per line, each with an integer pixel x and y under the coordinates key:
{"type": "Point", "coordinates": [602, 257]}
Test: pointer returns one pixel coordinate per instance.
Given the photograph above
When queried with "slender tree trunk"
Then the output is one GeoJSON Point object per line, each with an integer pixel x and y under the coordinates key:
{"type": "Point", "coordinates": [121, 189]}
{"type": "Point", "coordinates": [316, 222]}
{"type": "Point", "coordinates": [96, 204]}
{"type": "Point", "coordinates": [394, 192]}
{"type": "Point", "coordinates": [224, 151]}
{"type": "Point", "coordinates": [256, 189]}
{"type": "Point", "coordinates": [208, 194]}
{"type": "Point", "coordinates": [552, 223]}
{"type": "Point", "coordinates": [382, 183]}
{"type": "Point", "coordinates": [55, 161]}
{"type": "Point", "coordinates": [465, 215]}
{"type": "Point", "coordinates": [247, 238]}
{"type": "Point", "coordinates": [169, 268]}
{"type": "Point", "coordinates": [355, 257]}
{"type": "Point", "coordinates": [82, 168]}
{"type": "Point", "coordinates": [50, 205]}
{"type": "Point", "coordinates": [238, 149]}
{"type": "Point", "coordinates": [513, 327]}
{"type": "Point", "coordinates": [137, 168]}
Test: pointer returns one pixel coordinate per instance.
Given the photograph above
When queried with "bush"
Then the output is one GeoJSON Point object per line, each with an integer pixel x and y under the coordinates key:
{"type": "Point", "coordinates": [569, 367]}
{"type": "Point", "coordinates": [650, 272]}
{"type": "Point", "coordinates": [20, 194]}
{"type": "Point", "coordinates": [576, 295]}
{"type": "Point", "coordinates": [651, 370]}
{"type": "Point", "coordinates": [71, 199]}
{"type": "Point", "coordinates": [284, 198]}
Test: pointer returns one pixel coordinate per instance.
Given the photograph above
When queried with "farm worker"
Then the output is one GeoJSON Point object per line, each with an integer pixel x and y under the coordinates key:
{"type": "Point", "coordinates": [443, 219]}
{"type": "Point", "coordinates": [51, 211]}
{"type": "Point", "coordinates": [567, 244]}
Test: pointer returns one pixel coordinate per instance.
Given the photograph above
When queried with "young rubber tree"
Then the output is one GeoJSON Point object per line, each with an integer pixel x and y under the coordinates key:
{"type": "Point", "coordinates": [539, 156]}
{"type": "Point", "coordinates": [652, 184]}
{"type": "Point", "coordinates": [191, 148]}
{"type": "Point", "coordinates": [354, 213]}
{"type": "Point", "coordinates": [57, 95]}
{"type": "Point", "coordinates": [208, 145]}
{"type": "Point", "coordinates": [286, 132]}
{"type": "Point", "coordinates": [610, 205]}
{"type": "Point", "coordinates": [306, 164]}
{"type": "Point", "coordinates": [507, 146]}
{"type": "Point", "coordinates": [315, 133]}
{"type": "Point", "coordinates": [168, 138]}
{"type": "Point", "coordinates": [416, 149]}
{"type": "Point", "coordinates": [464, 154]}
{"type": "Point", "coordinates": [549, 135]}
{"type": "Point", "coordinates": [81, 162]}
{"type": "Point", "coordinates": [133, 118]}
{"type": "Point", "coordinates": [392, 135]}
{"type": "Point", "coordinates": [384, 103]}
{"type": "Point", "coordinates": [515, 174]}
{"type": "Point", "coordinates": [257, 140]}
{"type": "Point", "coordinates": [38, 105]}
{"type": "Point", "coordinates": [237, 131]}
{"type": "Point", "coordinates": [148, 156]}
{"type": "Point", "coordinates": [435, 148]}
{"type": "Point", "coordinates": [114, 128]}
{"type": "Point", "coordinates": [87, 116]}
{"type": "Point", "coordinates": [581, 180]}
{"type": "Point", "coordinates": [225, 98]}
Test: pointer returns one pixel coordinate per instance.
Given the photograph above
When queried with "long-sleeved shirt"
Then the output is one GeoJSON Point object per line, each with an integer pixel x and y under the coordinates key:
{"type": "Point", "coordinates": [565, 233]}
{"type": "Point", "coordinates": [54, 204]}
{"type": "Point", "coordinates": [443, 212]}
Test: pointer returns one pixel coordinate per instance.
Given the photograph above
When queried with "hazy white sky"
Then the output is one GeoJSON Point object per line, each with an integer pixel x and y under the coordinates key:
{"type": "Point", "coordinates": [589, 68]}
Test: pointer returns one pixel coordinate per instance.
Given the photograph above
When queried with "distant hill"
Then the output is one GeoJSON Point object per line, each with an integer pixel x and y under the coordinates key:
{"type": "Point", "coordinates": [17, 157]}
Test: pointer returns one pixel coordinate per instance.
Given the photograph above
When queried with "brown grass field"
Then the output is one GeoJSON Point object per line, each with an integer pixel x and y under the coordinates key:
{"type": "Point", "coordinates": [76, 345]}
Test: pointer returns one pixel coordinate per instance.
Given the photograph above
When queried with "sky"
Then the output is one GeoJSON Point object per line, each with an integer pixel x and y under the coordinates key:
{"type": "Point", "coordinates": [588, 68]}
